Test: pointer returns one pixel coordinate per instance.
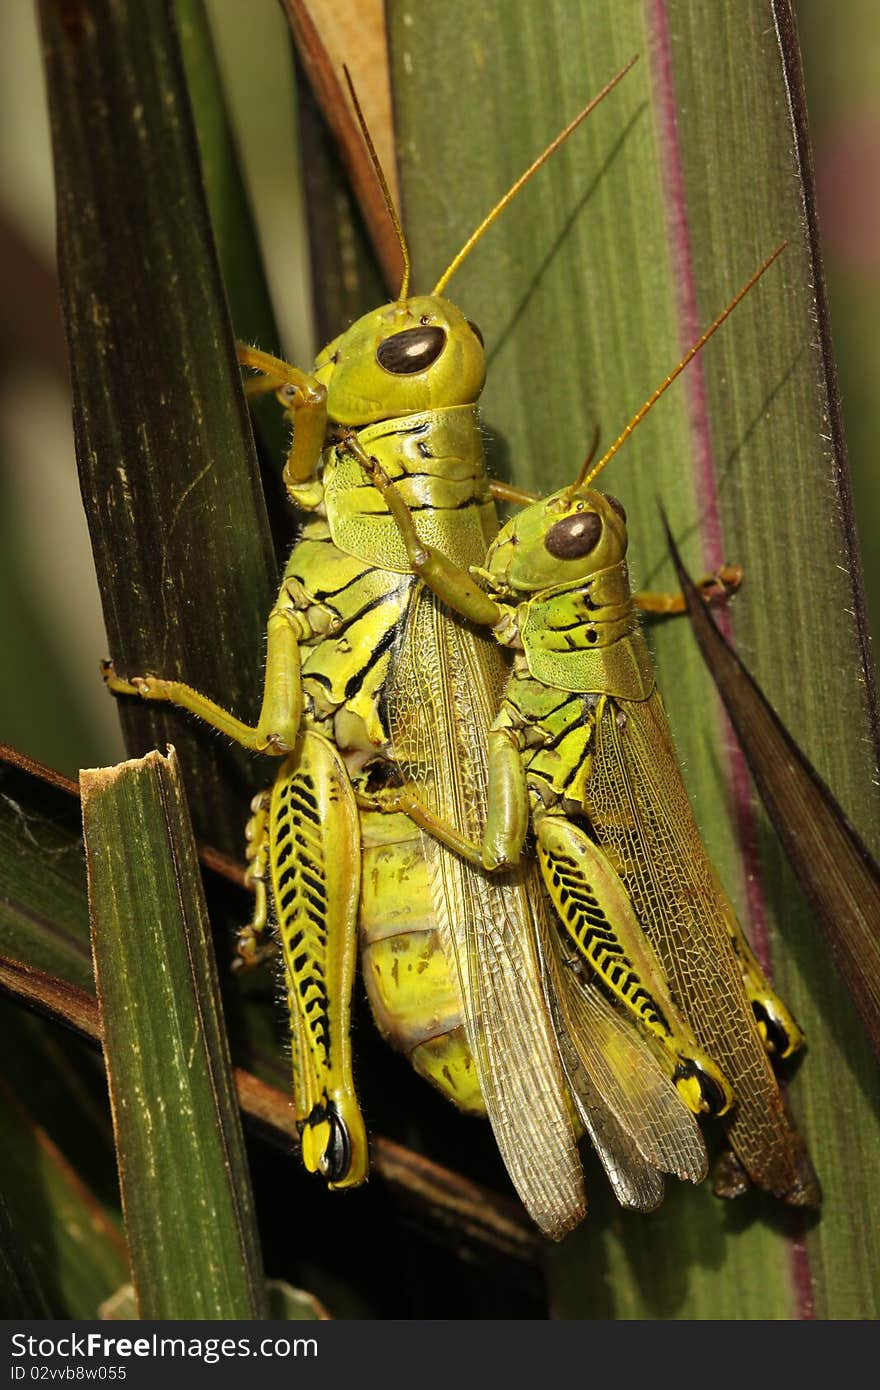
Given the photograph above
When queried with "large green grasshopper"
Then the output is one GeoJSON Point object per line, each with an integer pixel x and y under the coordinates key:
{"type": "Point", "coordinates": [371, 681]}
{"type": "Point", "coordinates": [580, 750]}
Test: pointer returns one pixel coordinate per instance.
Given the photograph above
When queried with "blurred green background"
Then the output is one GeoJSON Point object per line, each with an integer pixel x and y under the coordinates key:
{"type": "Point", "coordinates": [52, 703]}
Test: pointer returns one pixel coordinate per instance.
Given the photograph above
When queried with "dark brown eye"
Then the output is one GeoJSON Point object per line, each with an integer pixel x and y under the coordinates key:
{"type": "Point", "coordinates": [411, 351]}
{"type": "Point", "coordinates": [476, 332]}
{"type": "Point", "coordinates": [618, 506]}
{"type": "Point", "coordinates": [573, 536]}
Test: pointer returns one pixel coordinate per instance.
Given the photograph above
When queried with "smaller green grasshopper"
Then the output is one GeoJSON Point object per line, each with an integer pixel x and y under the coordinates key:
{"type": "Point", "coordinates": [581, 751]}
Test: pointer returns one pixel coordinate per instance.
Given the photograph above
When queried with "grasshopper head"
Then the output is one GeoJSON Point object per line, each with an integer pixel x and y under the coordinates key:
{"type": "Point", "coordinates": [562, 539]}
{"type": "Point", "coordinates": [418, 354]}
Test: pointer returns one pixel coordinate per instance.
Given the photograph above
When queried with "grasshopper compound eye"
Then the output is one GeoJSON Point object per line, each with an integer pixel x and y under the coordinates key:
{"type": "Point", "coordinates": [573, 536]}
{"type": "Point", "coordinates": [412, 350]}
{"type": "Point", "coordinates": [476, 332]}
{"type": "Point", "coordinates": [617, 505]}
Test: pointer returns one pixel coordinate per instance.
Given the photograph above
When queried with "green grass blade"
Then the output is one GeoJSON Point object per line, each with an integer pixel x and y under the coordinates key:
{"type": "Point", "coordinates": [588, 290]}
{"type": "Point", "coordinates": [183, 1172]}
{"type": "Point", "coordinates": [167, 467]}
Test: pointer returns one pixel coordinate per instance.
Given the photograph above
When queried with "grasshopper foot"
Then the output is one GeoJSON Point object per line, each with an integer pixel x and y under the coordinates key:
{"type": "Point", "coordinates": [335, 1147]}
{"type": "Point", "coordinates": [780, 1032]}
{"type": "Point", "coordinates": [252, 948]}
{"type": "Point", "coordinates": [702, 1085]}
{"type": "Point", "coordinates": [145, 687]}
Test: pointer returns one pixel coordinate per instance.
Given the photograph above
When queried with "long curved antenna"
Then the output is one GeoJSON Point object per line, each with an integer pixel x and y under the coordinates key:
{"type": "Point", "coordinates": [579, 480]}
{"type": "Point", "coordinates": [688, 357]}
{"type": "Point", "coordinates": [524, 178]}
{"type": "Point", "coordinates": [383, 184]}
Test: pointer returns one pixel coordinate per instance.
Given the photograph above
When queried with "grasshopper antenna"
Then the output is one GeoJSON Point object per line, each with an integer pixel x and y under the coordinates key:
{"type": "Point", "coordinates": [524, 178]}
{"type": "Point", "coordinates": [383, 184]}
{"type": "Point", "coordinates": [688, 357]}
{"type": "Point", "coordinates": [579, 480]}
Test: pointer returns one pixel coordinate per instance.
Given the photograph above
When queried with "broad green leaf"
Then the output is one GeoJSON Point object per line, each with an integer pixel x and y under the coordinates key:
{"type": "Point", "coordinates": [588, 290]}
{"type": "Point", "coordinates": [183, 1173]}
{"type": "Point", "coordinates": [167, 467]}
{"type": "Point", "coordinates": [59, 1166]}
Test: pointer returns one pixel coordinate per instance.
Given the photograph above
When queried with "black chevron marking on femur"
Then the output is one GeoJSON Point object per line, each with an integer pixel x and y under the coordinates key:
{"type": "Point", "coordinates": [311, 982]}
{"type": "Point", "coordinates": [577, 902]}
{"type": "Point", "coordinates": [314, 880]}
{"type": "Point", "coordinates": [598, 940]}
{"type": "Point", "coordinates": [301, 901]}
{"type": "Point", "coordinates": [304, 799]}
{"type": "Point", "coordinates": [287, 873]}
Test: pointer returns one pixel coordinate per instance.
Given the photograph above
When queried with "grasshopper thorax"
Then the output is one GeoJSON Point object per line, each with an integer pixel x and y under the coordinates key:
{"type": "Point", "coordinates": [418, 354]}
{"type": "Point", "coordinates": [560, 541]}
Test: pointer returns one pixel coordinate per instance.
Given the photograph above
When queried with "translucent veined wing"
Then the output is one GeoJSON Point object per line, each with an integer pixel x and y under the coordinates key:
{"type": "Point", "coordinates": [638, 1122]}
{"type": "Point", "coordinates": [445, 689]}
{"type": "Point", "coordinates": [639, 809]}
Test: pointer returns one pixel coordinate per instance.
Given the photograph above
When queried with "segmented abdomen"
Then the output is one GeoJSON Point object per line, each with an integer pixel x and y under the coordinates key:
{"type": "Point", "coordinates": [412, 992]}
